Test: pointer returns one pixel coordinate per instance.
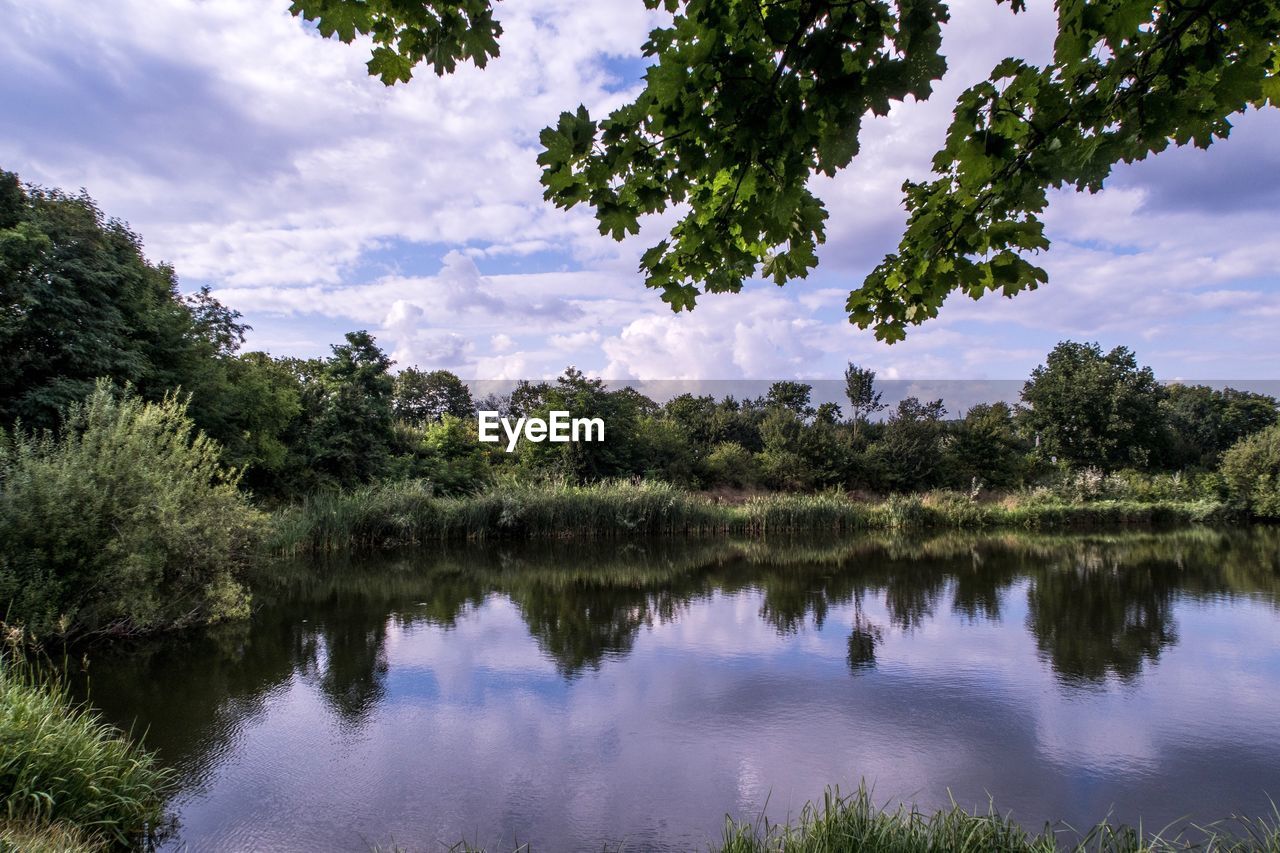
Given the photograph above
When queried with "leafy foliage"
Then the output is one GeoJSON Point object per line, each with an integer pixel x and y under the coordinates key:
{"type": "Point", "coordinates": [987, 448]}
{"type": "Point", "coordinates": [744, 102]}
{"type": "Point", "coordinates": [1094, 410]}
{"type": "Point", "coordinates": [445, 453]}
{"type": "Point", "coordinates": [910, 454]}
{"type": "Point", "coordinates": [78, 301]}
{"type": "Point", "coordinates": [1251, 470]}
{"type": "Point", "coordinates": [125, 520]}
{"type": "Point", "coordinates": [441, 33]}
{"type": "Point", "coordinates": [421, 396]}
{"type": "Point", "coordinates": [1204, 422]}
{"type": "Point", "coordinates": [346, 433]}
{"type": "Point", "coordinates": [1128, 79]}
{"type": "Point", "coordinates": [859, 387]}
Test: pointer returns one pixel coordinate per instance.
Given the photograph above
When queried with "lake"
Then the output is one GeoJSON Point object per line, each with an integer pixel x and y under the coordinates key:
{"type": "Point", "coordinates": [582, 695]}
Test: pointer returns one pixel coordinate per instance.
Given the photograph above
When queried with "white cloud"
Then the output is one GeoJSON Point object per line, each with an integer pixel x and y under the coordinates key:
{"type": "Point", "coordinates": [261, 159]}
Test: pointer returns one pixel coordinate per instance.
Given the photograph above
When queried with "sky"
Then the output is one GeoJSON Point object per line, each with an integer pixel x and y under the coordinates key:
{"type": "Point", "coordinates": [261, 160]}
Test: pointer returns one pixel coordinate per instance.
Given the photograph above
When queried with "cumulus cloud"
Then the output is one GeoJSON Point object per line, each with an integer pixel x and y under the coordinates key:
{"type": "Point", "coordinates": [262, 160]}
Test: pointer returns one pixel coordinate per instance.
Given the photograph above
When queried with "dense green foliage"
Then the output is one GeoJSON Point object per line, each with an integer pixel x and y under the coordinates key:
{"type": "Point", "coordinates": [1094, 410]}
{"type": "Point", "coordinates": [744, 102]}
{"type": "Point", "coordinates": [124, 520]}
{"type": "Point", "coordinates": [1251, 470]}
{"type": "Point", "coordinates": [296, 427]}
{"type": "Point", "coordinates": [421, 397]}
{"type": "Point", "coordinates": [66, 775]}
{"type": "Point", "coordinates": [1204, 422]}
{"type": "Point", "coordinates": [79, 302]}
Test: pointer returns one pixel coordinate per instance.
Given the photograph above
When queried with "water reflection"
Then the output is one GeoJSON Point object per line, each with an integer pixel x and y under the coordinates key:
{"type": "Point", "coordinates": [669, 682]}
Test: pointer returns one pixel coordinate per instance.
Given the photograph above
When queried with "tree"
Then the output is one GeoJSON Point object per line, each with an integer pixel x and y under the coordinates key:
{"type": "Point", "coordinates": [987, 448]}
{"type": "Point", "coordinates": [864, 399]}
{"type": "Point", "coordinates": [1251, 469]}
{"type": "Point", "coordinates": [744, 102]}
{"type": "Point", "coordinates": [792, 396]}
{"type": "Point", "coordinates": [264, 399]}
{"type": "Point", "coordinates": [216, 323]}
{"type": "Point", "coordinates": [347, 408]}
{"type": "Point", "coordinates": [78, 301]}
{"type": "Point", "coordinates": [909, 454]}
{"type": "Point", "coordinates": [621, 452]}
{"type": "Point", "coordinates": [421, 397]}
{"type": "Point", "coordinates": [1204, 422]}
{"type": "Point", "coordinates": [1094, 410]}
{"type": "Point", "coordinates": [447, 452]}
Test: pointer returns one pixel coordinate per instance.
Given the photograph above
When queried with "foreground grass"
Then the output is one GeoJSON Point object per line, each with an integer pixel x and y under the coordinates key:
{"type": "Point", "coordinates": [844, 824]}
{"type": "Point", "coordinates": [408, 513]}
{"type": "Point", "coordinates": [854, 824]}
{"type": "Point", "coordinates": [68, 781]}
{"type": "Point", "coordinates": [25, 837]}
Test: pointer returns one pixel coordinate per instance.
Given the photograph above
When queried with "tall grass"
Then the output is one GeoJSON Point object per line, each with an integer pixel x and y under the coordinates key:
{"type": "Point", "coordinates": [66, 774]}
{"type": "Point", "coordinates": [854, 824]}
{"type": "Point", "coordinates": [26, 837]}
{"type": "Point", "coordinates": [408, 513]}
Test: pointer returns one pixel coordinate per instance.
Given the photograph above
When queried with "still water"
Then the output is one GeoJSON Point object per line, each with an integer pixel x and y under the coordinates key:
{"type": "Point", "coordinates": [583, 696]}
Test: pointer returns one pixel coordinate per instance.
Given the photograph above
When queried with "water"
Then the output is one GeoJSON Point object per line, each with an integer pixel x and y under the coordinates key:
{"type": "Point", "coordinates": [578, 696]}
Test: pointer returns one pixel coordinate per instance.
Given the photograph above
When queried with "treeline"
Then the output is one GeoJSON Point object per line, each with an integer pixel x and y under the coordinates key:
{"type": "Point", "coordinates": [81, 303]}
{"type": "Point", "coordinates": [139, 445]}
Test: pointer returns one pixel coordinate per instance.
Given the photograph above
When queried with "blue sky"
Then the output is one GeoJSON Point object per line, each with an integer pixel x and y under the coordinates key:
{"type": "Point", "coordinates": [261, 160]}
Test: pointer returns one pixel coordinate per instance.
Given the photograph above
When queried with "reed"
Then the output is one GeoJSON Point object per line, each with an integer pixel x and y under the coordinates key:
{"type": "Point", "coordinates": [26, 837]}
{"type": "Point", "coordinates": [845, 824]}
{"type": "Point", "coordinates": [65, 773]}
{"type": "Point", "coordinates": [408, 513]}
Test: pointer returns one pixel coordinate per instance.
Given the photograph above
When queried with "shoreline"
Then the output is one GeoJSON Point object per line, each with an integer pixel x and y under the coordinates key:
{"type": "Point", "coordinates": [407, 514]}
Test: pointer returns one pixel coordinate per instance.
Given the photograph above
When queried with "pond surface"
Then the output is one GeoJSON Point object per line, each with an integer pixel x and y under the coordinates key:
{"type": "Point", "coordinates": [582, 696]}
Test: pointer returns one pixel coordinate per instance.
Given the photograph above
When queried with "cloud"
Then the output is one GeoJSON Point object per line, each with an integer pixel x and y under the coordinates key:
{"type": "Point", "coordinates": [753, 334]}
{"type": "Point", "coordinates": [261, 159]}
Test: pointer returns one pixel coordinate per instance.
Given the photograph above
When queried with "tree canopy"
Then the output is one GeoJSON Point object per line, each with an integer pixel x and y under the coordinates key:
{"type": "Point", "coordinates": [1093, 409]}
{"type": "Point", "coordinates": [744, 101]}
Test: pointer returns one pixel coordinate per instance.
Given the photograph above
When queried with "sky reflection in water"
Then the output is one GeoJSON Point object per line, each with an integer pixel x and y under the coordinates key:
{"type": "Point", "coordinates": [574, 695]}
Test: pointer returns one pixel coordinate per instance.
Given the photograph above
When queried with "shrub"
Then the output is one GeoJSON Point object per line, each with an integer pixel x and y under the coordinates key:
{"type": "Point", "coordinates": [124, 520]}
{"type": "Point", "coordinates": [447, 452]}
{"type": "Point", "coordinates": [63, 772]}
{"type": "Point", "coordinates": [784, 470]}
{"type": "Point", "coordinates": [731, 464]}
{"type": "Point", "coordinates": [1251, 472]}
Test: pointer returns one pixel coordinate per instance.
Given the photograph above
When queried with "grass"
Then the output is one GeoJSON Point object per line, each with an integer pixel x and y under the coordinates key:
{"type": "Point", "coordinates": [407, 513]}
{"type": "Point", "coordinates": [65, 776]}
{"type": "Point", "coordinates": [23, 837]}
{"type": "Point", "coordinates": [854, 823]}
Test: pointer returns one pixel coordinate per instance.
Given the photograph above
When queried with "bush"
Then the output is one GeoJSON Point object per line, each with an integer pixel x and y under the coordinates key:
{"type": "Point", "coordinates": [731, 464]}
{"type": "Point", "coordinates": [123, 521]}
{"type": "Point", "coordinates": [1251, 472]}
{"type": "Point", "coordinates": [63, 772]}
{"type": "Point", "coordinates": [783, 470]}
{"type": "Point", "coordinates": [447, 453]}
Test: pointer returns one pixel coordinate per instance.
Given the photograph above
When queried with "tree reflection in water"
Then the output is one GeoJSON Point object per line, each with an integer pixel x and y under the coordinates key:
{"type": "Point", "coordinates": [1098, 607]}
